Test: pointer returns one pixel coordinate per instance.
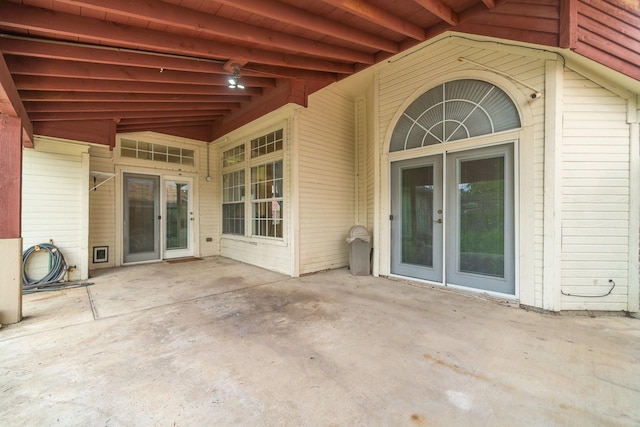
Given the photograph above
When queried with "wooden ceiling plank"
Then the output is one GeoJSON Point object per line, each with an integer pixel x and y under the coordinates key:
{"type": "Point", "coordinates": [59, 24]}
{"type": "Point", "coordinates": [379, 16]}
{"type": "Point", "coordinates": [441, 10]}
{"type": "Point", "coordinates": [180, 17]}
{"type": "Point", "coordinates": [302, 19]}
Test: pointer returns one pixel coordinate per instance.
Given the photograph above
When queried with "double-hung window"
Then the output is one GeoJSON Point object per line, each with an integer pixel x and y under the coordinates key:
{"type": "Point", "coordinates": [262, 173]}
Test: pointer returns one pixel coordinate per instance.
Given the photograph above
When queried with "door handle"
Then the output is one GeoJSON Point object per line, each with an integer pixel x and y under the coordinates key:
{"type": "Point", "coordinates": [439, 220]}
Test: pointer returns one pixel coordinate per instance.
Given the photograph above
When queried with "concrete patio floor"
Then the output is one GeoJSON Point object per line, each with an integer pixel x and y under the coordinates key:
{"type": "Point", "coordinates": [216, 342]}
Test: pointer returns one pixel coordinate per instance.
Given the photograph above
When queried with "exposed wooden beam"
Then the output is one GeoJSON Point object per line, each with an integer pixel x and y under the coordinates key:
{"type": "Point", "coordinates": [379, 16]}
{"type": "Point", "coordinates": [303, 19]}
{"type": "Point", "coordinates": [489, 3]}
{"type": "Point", "coordinates": [22, 65]}
{"type": "Point", "coordinates": [89, 85]}
{"type": "Point", "coordinates": [174, 16]}
{"type": "Point", "coordinates": [441, 10]}
{"type": "Point", "coordinates": [65, 25]}
{"type": "Point", "coordinates": [11, 104]}
{"type": "Point", "coordinates": [36, 95]}
{"type": "Point", "coordinates": [104, 115]}
{"type": "Point", "coordinates": [40, 48]}
{"type": "Point", "coordinates": [115, 107]}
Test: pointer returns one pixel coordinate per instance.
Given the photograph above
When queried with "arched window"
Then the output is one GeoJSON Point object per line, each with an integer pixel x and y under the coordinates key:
{"type": "Point", "coordinates": [453, 111]}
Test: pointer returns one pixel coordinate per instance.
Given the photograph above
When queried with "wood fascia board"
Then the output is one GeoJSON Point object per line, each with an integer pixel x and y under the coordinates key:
{"type": "Point", "coordinates": [56, 23]}
{"type": "Point", "coordinates": [87, 131]}
{"type": "Point", "coordinates": [11, 104]}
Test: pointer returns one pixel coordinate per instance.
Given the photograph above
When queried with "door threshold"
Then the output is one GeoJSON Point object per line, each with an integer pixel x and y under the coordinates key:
{"type": "Point", "coordinates": [185, 259]}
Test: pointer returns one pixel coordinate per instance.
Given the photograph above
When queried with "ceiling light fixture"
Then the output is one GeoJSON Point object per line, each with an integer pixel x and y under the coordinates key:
{"type": "Point", "coordinates": [234, 80]}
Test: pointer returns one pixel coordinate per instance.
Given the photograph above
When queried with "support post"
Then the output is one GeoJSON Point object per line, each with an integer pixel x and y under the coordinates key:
{"type": "Point", "coordinates": [10, 226]}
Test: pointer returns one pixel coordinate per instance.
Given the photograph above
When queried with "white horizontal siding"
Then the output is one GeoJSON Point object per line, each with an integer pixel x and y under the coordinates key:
{"type": "Point", "coordinates": [595, 197]}
{"type": "Point", "coordinates": [208, 199]}
{"type": "Point", "coordinates": [326, 181]}
{"type": "Point", "coordinates": [53, 206]}
{"type": "Point", "coordinates": [271, 255]}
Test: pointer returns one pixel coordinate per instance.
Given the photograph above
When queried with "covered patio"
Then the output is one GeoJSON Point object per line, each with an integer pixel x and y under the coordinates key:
{"type": "Point", "coordinates": [218, 342]}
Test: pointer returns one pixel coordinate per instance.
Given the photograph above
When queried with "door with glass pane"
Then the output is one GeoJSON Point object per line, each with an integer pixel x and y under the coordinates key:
{"type": "Point", "coordinates": [473, 238]}
{"type": "Point", "coordinates": [141, 237]}
{"type": "Point", "coordinates": [416, 218]}
{"type": "Point", "coordinates": [178, 218]}
{"type": "Point", "coordinates": [480, 219]}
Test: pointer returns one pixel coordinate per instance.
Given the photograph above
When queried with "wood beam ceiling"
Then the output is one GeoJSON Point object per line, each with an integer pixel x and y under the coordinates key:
{"type": "Point", "coordinates": [107, 62]}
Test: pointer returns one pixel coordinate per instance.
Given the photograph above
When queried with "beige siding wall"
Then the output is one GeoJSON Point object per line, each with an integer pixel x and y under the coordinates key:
{"type": "Point", "coordinates": [209, 197]}
{"type": "Point", "coordinates": [326, 181]}
{"type": "Point", "coordinates": [595, 196]}
{"type": "Point", "coordinates": [54, 204]}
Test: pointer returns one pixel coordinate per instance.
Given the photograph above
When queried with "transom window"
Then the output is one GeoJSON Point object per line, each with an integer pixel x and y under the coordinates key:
{"type": "Point", "coordinates": [263, 175]}
{"type": "Point", "coordinates": [453, 111]}
{"type": "Point", "coordinates": [156, 152]}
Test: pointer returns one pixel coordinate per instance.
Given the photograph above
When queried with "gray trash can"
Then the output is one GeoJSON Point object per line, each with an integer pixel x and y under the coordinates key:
{"type": "Point", "coordinates": [359, 248]}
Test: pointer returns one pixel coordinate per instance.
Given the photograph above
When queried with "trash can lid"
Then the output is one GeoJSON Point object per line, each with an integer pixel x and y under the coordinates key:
{"type": "Point", "coordinates": [358, 231]}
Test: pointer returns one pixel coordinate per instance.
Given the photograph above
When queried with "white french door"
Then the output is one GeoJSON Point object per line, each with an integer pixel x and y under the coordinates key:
{"type": "Point", "coordinates": [158, 220]}
{"type": "Point", "coordinates": [452, 218]}
{"type": "Point", "coordinates": [178, 217]}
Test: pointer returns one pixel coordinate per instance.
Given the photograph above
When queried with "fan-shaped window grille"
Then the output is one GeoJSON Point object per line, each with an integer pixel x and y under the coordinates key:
{"type": "Point", "coordinates": [455, 110]}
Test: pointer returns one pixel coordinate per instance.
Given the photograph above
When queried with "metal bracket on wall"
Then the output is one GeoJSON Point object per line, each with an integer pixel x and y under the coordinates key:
{"type": "Point", "coordinates": [96, 175]}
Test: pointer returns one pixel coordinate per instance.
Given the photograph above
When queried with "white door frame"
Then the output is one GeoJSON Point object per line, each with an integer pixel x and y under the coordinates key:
{"type": "Point", "coordinates": [454, 149]}
{"type": "Point", "coordinates": [119, 208]}
{"type": "Point", "coordinates": [189, 250]}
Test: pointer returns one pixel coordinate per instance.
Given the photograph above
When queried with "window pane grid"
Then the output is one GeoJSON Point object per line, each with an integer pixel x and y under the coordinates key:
{"type": "Point", "coordinates": [267, 203]}
{"type": "Point", "coordinates": [233, 187]}
{"type": "Point", "coordinates": [233, 156]}
{"type": "Point", "coordinates": [233, 203]}
{"type": "Point", "coordinates": [266, 144]}
{"type": "Point", "coordinates": [233, 218]}
{"type": "Point", "coordinates": [156, 152]}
